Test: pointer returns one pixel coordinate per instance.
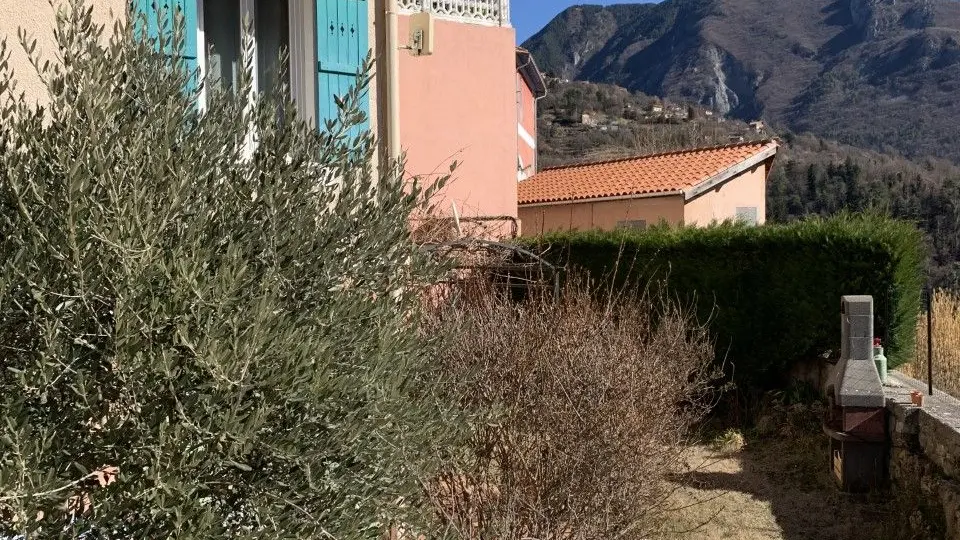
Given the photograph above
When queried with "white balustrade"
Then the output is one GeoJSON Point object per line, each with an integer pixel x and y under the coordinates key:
{"type": "Point", "coordinates": [490, 12]}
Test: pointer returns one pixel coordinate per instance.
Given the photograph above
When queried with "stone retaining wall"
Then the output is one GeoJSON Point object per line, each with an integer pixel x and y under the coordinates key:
{"type": "Point", "coordinates": [925, 454]}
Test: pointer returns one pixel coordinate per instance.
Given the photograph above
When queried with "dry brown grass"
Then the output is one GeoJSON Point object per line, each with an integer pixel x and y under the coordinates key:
{"type": "Point", "coordinates": [594, 401]}
{"type": "Point", "coordinates": [775, 489]}
{"type": "Point", "coordinates": [778, 487]}
{"type": "Point", "coordinates": [946, 344]}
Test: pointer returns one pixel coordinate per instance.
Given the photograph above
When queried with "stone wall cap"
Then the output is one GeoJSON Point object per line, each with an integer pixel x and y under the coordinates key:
{"type": "Point", "coordinates": [940, 407]}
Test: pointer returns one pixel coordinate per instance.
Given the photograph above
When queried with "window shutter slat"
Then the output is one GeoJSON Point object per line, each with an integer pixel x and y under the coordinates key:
{"type": "Point", "coordinates": [342, 45]}
{"type": "Point", "coordinates": [150, 10]}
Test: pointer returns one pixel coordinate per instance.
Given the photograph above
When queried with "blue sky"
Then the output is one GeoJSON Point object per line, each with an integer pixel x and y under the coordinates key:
{"type": "Point", "coordinates": [529, 16]}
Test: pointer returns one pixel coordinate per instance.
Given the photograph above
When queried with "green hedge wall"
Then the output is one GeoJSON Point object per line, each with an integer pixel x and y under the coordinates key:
{"type": "Point", "coordinates": [771, 293]}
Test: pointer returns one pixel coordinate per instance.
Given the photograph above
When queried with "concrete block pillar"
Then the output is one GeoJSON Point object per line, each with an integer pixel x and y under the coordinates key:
{"type": "Point", "coordinates": [857, 383]}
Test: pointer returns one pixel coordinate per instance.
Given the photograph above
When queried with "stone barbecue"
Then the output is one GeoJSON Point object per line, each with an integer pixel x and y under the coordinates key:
{"type": "Point", "coordinates": [856, 422]}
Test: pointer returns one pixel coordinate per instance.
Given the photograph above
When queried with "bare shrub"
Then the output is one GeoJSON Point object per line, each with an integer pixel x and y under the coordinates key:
{"type": "Point", "coordinates": [592, 405]}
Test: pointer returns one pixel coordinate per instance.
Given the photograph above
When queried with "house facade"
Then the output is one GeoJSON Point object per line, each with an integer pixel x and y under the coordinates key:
{"type": "Point", "coordinates": [692, 187]}
{"type": "Point", "coordinates": [447, 85]}
{"type": "Point", "coordinates": [530, 88]}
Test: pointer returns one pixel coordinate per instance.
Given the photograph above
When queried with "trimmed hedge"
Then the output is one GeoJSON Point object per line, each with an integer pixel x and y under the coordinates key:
{"type": "Point", "coordinates": [771, 293]}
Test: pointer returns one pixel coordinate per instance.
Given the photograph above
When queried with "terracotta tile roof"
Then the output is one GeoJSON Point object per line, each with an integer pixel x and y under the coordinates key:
{"type": "Point", "coordinates": [657, 173]}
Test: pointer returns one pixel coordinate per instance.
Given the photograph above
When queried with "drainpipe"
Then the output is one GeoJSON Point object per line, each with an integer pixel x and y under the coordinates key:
{"type": "Point", "coordinates": [536, 130]}
{"type": "Point", "coordinates": [393, 81]}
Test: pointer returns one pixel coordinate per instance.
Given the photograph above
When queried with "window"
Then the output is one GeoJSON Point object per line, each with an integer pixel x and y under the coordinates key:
{"type": "Point", "coordinates": [747, 214]}
{"type": "Point", "coordinates": [634, 224]}
{"type": "Point", "coordinates": [221, 28]}
{"type": "Point", "coordinates": [273, 39]}
{"type": "Point", "coordinates": [326, 42]}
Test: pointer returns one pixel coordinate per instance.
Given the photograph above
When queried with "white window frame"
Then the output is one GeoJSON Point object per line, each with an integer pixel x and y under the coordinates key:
{"type": "Point", "coordinates": [302, 54]}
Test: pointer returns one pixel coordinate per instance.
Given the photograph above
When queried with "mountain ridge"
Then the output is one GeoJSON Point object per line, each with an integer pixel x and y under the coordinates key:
{"type": "Point", "coordinates": [882, 74]}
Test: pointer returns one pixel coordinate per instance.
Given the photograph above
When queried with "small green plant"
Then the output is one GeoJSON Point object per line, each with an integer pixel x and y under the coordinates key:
{"type": "Point", "coordinates": [730, 441]}
{"type": "Point", "coordinates": [797, 392]}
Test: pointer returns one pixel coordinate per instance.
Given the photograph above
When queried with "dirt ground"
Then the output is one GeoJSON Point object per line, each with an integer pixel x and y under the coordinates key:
{"type": "Point", "coordinates": [775, 488]}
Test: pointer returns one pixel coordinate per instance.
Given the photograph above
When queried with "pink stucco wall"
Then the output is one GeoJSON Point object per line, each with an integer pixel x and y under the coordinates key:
{"type": "Point", "coordinates": [529, 111]}
{"type": "Point", "coordinates": [602, 215]}
{"type": "Point", "coordinates": [527, 118]}
{"type": "Point", "coordinates": [459, 104]}
{"type": "Point", "coordinates": [719, 204]}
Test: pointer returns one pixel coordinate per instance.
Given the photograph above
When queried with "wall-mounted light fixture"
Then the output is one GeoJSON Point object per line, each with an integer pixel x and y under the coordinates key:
{"type": "Point", "coordinates": [421, 34]}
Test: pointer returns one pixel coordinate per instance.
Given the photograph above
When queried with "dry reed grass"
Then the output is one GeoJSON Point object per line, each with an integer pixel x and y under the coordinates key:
{"type": "Point", "coordinates": [946, 344]}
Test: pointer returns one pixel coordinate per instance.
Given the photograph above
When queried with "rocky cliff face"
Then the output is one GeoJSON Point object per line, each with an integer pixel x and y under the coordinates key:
{"type": "Point", "coordinates": [574, 37]}
{"type": "Point", "coordinates": [882, 18]}
{"type": "Point", "coordinates": [860, 11]}
{"type": "Point", "coordinates": [877, 73]}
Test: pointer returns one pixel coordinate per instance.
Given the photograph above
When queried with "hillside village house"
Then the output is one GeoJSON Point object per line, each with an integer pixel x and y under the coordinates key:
{"type": "Point", "coordinates": [692, 187]}
{"type": "Point", "coordinates": [450, 84]}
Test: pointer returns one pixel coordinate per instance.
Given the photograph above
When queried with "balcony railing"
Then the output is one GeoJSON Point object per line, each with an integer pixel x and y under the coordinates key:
{"type": "Point", "coordinates": [490, 12]}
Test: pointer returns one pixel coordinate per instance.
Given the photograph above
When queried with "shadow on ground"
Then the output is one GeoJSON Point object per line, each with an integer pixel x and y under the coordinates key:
{"type": "Point", "coordinates": [778, 487]}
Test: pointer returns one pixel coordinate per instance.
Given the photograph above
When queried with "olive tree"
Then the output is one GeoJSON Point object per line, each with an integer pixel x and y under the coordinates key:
{"type": "Point", "coordinates": [208, 317]}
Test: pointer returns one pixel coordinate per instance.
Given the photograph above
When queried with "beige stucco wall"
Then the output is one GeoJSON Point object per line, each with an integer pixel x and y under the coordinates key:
{"type": "Point", "coordinates": [603, 215]}
{"type": "Point", "coordinates": [37, 18]}
{"type": "Point", "coordinates": [718, 204]}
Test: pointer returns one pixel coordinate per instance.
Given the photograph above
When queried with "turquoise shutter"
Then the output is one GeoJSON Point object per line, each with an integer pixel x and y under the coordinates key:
{"type": "Point", "coordinates": [342, 44]}
{"type": "Point", "coordinates": [188, 9]}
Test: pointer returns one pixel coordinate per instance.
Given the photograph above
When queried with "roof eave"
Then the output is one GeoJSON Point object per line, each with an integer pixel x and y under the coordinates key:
{"type": "Point", "coordinates": [531, 73]}
{"type": "Point", "coordinates": [762, 144]}
{"type": "Point", "coordinates": [730, 173]}
{"type": "Point", "coordinates": [651, 195]}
